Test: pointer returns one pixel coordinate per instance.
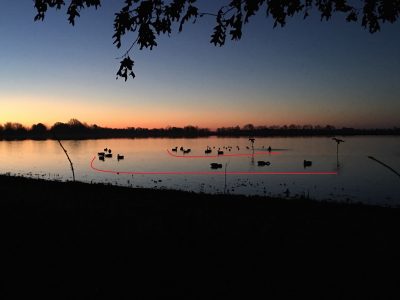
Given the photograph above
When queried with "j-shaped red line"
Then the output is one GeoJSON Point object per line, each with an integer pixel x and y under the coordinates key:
{"type": "Point", "coordinates": [222, 155]}
{"type": "Point", "coordinates": [207, 172]}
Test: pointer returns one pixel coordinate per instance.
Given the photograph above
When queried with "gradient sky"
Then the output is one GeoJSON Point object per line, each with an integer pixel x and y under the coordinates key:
{"type": "Point", "coordinates": [308, 72]}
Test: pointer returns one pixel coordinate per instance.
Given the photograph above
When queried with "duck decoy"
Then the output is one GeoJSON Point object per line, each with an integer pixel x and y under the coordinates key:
{"type": "Point", "coordinates": [119, 157]}
{"type": "Point", "coordinates": [307, 163]}
{"type": "Point", "coordinates": [216, 166]}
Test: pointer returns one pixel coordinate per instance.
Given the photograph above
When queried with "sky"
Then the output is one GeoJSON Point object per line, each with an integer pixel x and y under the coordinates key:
{"type": "Point", "coordinates": [308, 72]}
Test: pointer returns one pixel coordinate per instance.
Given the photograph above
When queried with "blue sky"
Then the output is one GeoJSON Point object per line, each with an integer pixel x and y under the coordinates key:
{"type": "Point", "coordinates": [308, 72]}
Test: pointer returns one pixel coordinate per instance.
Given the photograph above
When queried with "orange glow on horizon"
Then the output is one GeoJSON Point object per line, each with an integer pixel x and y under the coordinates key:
{"type": "Point", "coordinates": [29, 110]}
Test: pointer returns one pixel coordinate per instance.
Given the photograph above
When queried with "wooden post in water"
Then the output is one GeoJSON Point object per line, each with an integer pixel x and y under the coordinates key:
{"type": "Point", "coordinates": [251, 139]}
{"type": "Point", "coordinates": [338, 141]}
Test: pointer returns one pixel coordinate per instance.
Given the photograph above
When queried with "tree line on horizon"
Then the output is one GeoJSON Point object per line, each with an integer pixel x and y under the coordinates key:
{"type": "Point", "coordinates": [75, 129]}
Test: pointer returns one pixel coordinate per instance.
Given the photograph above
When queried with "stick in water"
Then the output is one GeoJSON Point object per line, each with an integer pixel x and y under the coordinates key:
{"type": "Point", "coordinates": [70, 162]}
{"type": "Point", "coordinates": [385, 165]}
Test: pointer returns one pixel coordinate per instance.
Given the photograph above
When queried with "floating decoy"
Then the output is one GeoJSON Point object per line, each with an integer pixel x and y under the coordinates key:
{"type": "Point", "coordinates": [101, 157]}
{"type": "Point", "coordinates": [220, 152]}
{"type": "Point", "coordinates": [208, 150]}
{"type": "Point", "coordinates": [216, 166]}
{"type": "Point", "coordinates": [108, 155]}
{"type": "Point", "coordinates": [307, 163]}
{"type": "Point", "coordinates": [119, 157]}
{"type": "Point", "coordinates": [175, 149]}
{"type": "Point", "coordinates": [100, 154]}
{"type": "Point", "coordinates": [262, 163]}
{"type": "Point", "coordinates": [186, 151]}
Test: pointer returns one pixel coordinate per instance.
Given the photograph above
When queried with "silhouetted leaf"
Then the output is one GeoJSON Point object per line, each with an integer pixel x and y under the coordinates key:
{"type": "Point", "coordinates": [352, 17]}
{"type": "Point", "coordinates": [146, 37]}
{"type": "Point", "coordinates": [236, 32]}
{"type": "Point", "coordinates": [192, 12]}
{"type": "Point", "coordinates": [126, 65]}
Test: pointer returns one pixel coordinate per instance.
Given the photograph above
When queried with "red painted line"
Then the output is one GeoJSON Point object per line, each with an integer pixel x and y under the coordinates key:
{"type": "Point", "coordinates": [207, 172]}
{"type": "Point", "coordinates": [222, 155]}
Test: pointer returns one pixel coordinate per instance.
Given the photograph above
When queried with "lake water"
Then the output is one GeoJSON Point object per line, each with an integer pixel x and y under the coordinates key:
{"type": "Point", "coordinates": [147, 163]}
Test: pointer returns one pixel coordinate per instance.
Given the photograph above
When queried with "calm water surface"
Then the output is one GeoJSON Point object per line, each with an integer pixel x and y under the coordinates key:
{"type": "Point", "coordinates": [358, 178]}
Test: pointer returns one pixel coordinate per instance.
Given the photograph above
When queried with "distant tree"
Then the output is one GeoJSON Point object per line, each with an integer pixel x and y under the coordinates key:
{"type": "Point", "coordinates": [190, 129]}
{"type": "Point", "coordinates": [330, 127]}
{"type": "Point", "coordinates": [38, 128]}
{"type": "Point", "coordinates": [14, 130]}
{"type": "Point", "coordinates": [307, 127]}
{"type": "Point", "coordinates": [248, 127]}
{"type": "Point", "coordinates": [148, 19]}
{"type": "Point", "coordinates": [59, 127]}
{"type": "Point", "coordinates": [75, 123]}
{"type": "Point", "coordinates": [9, 126]}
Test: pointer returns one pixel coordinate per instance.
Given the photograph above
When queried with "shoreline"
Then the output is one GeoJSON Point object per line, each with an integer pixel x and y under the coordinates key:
{"type": "Point", "coordinates": [190, 244]}
{"type": "Point", "coordinates": [77, 137]}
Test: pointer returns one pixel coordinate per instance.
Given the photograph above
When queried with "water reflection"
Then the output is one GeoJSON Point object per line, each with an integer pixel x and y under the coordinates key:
{"type": "Point", "coordinates": [358, 179]}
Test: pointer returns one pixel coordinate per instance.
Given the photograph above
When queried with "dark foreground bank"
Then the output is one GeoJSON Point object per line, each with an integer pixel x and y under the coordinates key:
{"type": "Point", "coordinates": [75, 240]}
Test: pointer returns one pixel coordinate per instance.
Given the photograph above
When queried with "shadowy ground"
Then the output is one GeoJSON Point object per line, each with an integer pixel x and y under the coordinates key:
{"type": "Point", "coordinates": [75, 240]}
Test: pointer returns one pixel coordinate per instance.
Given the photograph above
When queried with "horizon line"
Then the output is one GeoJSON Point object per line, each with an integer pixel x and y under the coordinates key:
{"type": "Point", "coordinates": [250, 126]}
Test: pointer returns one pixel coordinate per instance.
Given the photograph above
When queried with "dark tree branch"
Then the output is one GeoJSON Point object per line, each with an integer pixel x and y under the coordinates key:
{"type": "Point", "coordinates": [148, 19]}
{"type": "Point", "coordinates": [385, 165]}
{"type": "Point", "coordinates": [70, 162]}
